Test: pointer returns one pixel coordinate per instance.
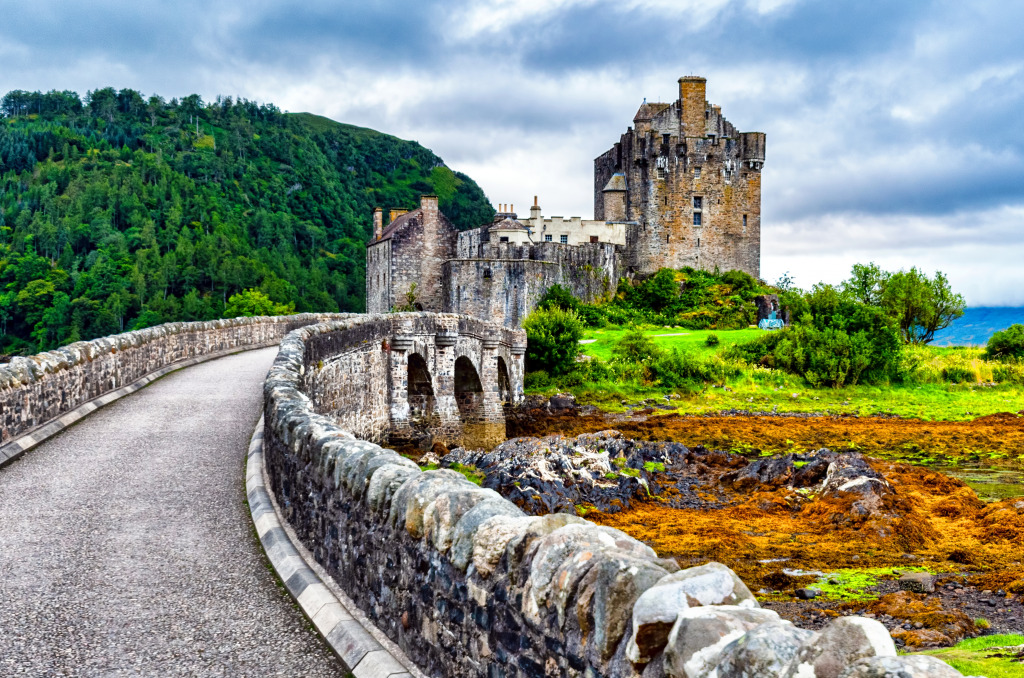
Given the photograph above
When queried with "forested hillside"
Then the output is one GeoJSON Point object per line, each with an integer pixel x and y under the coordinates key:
{"type": "Point", "coordinates": [119, 211]}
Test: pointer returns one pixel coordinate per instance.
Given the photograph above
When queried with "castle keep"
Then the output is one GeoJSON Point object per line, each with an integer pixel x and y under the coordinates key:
{"type": "Point", "coordinates": [680, 188]}
{"type": "Point", "coordinates": [688, 182]}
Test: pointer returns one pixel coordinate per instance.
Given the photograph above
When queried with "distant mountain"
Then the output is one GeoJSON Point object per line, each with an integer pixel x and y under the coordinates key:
{"type": "Point", "coordinates": [119, 211]}
{"type": "Point", "coordinates": [977, 325]}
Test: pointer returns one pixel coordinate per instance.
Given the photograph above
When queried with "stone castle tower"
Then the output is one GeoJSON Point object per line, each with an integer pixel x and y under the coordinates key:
{"type": "Point", "coordinates": [689, 183]}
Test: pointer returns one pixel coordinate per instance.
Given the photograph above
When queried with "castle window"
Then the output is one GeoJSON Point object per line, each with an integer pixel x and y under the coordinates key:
{"type": "Point", "coordinates": [564, 239]}
{"type": "Point", "coordinates": [697, 219]}
{"type": "Point", "coordinates": [696, 173]}
{"type": "Point", "coordinates": [547, 238]}
{"type": "Point", "coordinates": [744, 224]}
{"type": "Point", "coordinates": [593, 238]}
{"type": "Point", "coordinates": [503, 238]}
{"type": "Point", "coordinates": [698, 205]}
{"type": "Point", "coordinates": [698, 202]}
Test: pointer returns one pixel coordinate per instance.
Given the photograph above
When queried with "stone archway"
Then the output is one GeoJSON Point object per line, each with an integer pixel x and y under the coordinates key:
{"type": "Point", "coordinates": [505, 394]}
{"type": "Point", "coordinates": [469, 391]}
{"type": "Point", "coordinates": [420, 392]}
{"type": "Point", "coordinates": [479, 430]}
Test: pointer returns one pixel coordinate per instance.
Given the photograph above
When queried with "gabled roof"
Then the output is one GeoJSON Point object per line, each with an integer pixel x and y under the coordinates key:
{"type": "Point", "coordinates": [399, 223]}
{"type": "Point", "coordinates": [508, 223]}
{"type": "Point", "coordinates": [648, 111]}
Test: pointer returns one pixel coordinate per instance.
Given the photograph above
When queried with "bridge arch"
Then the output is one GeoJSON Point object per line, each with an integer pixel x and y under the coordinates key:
{"type": "Point", "coordinates": [505, 392]}
{"type": "Point", "coordinates": [420, 391]}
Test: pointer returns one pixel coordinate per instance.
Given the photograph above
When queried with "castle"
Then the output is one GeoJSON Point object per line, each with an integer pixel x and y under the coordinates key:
{"type": "Point", "coordinates": [681, 188]}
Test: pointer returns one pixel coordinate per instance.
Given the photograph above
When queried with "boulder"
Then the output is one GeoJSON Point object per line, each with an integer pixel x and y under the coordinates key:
{"type": "Point", "coordinates": [910, 666]}
{"type": "Point", "coordinates": [917, 582]}
{"type": "Point", "coordinates": [700, 634]}
{"type": "Point", "coordinates": [656, 611]}
{"type": "Point", "coordinates": [763, 652]}
{"type": "Point", "coordinates": [839, 645]}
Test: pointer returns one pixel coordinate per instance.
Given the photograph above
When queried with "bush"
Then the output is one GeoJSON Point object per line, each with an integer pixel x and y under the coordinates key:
{"type": "Point", "coordinates": [553, 337]}
{"type": "Point", "coordinates": [959, 373]}
{"type": "Point", "coordinates": [558, 296]}
{"type": "Point", "coordinates": [712, 340]}
{"type": "Point", "coordinates": [536, 380]}
{"type": "Point", "coordinates": [635, 347]}
{"type": "Point", "coordinates": [1008, 343]}
{"type": "Point", "coordinates": [592, 315]}
{"type": "Point", "coordinates": [1009, 374]}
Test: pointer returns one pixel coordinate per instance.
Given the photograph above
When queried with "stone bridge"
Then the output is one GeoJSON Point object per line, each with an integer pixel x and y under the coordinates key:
{"type": "Point", "coordinates": [417, 377]}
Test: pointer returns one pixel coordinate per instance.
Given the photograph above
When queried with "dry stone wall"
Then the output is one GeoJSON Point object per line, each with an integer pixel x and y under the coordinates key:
{"type": "Point", "coordinates": [37, 389]}
{"type": "Point", "coordinates": [468, 585]}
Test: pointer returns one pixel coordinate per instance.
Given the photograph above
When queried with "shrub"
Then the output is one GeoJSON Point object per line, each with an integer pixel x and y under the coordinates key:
{"type": "Point", "coordinates": [1009, 374]}
{"type": "Point", "coordinates": [1008, 343]}
{"type": "Point", "coordinates": [558, 296]}
{"type": "Point", "coordinates": [635, 347]}
{"type": "Point", "coordinates": [959, 373]}
{"type": "Point", "coordinates": [712, 340]}
{"type": "Point", "coordinates": [553, 337]}
{"type": "Point", "coordinates": [592, 315]}
{"type": "Point", "coordinates": [536, 380]}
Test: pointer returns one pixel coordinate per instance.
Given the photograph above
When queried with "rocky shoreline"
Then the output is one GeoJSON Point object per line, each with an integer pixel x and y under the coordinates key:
{"type": "Point", "coordinates": [824, 510]}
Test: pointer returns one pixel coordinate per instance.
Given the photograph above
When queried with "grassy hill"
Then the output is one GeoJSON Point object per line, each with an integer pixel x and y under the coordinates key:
{"type": "Point", "coordinates": [119, 211]}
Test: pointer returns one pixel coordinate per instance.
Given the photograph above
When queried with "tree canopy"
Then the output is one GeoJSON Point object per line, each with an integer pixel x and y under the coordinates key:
{"type": "Point", "coordinates": [120, 211]}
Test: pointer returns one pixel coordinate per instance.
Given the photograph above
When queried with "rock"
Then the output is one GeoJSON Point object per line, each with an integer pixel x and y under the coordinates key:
{"type": "Point", "coordinates": [441, 515]}
{"type": "Point", "coordinates": [908, 666]}
{"type": "Point", "coordinates": [562, 402]}
{"type": "Point", "coordinates": [605, 594]}
{"type": "Point", "coordinates": [492, 538]}
{"type": "Point", "coordinates": [807, 594]}
{"type": "Point", "coordinates": [658, 608]}
{"type": "Point", "coordinates": [461, 553]}
{"type": "Point", "coordinates": [700, 634]}
{"type": "Point", "coordinates": [763, 651]}
{"type": "Point", "coordinates": [562, 558]}
{"type": "Point", "coordinates": [917, 582]}
{"type": "Point", "coordinates": [839, 645]}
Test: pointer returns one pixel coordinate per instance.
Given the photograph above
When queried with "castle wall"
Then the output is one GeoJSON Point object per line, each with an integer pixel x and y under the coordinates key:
{"type": "Point", "coordinates": [378, 277]}
{"type": "Point", "coordinates": [506, 281]}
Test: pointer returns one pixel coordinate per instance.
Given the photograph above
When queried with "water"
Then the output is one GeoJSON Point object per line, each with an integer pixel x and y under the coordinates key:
{"type": "Point", "coordinates": [978, 324]}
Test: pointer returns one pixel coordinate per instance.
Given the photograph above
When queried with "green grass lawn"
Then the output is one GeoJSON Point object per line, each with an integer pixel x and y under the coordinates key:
{"type": "Point", "coordinates": [667, 337]}
{"type": "Point", "coordinates": [759, 389]}
{"type": "Point", "coordinates": [970, 657]}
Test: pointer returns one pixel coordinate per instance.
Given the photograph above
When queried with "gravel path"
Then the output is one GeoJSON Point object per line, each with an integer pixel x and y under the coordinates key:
{"type": "Point", "coordinates": [126, 548]}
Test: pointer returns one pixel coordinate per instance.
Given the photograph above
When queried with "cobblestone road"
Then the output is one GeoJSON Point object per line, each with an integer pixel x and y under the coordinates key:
{"type": "Point", "coordinates": [126, 548]}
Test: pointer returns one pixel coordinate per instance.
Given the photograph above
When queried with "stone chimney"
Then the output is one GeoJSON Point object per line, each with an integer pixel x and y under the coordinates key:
{"type": "Point", "coordinates": [394, 214]}
{"type": "Point", "coordinates": [378, 223]}
{"type": "Point", "coordinates": [428, 203]}
{"type": "Point", "coordinates": [692, 105]}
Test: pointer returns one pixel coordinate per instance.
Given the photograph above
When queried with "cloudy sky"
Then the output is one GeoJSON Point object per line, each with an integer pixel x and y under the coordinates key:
{"type": "Point", "coordinates": [895, 129]}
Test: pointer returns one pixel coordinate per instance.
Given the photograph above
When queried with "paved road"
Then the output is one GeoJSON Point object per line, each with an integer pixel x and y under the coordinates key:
{"type": "Point", "coordinates": [126, 548]}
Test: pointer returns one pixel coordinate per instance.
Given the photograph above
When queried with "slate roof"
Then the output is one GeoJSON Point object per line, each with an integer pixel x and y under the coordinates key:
{"type": "Point", "coordinates": [400, 223]}
{"type": "Point", "coordinates": [648, 111]}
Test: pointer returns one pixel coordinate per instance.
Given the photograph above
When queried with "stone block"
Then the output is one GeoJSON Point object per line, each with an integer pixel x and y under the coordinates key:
{"type": "Point", "coordinates": [840, 644]}
{"type": "Point", "coordinates": [700, 634]}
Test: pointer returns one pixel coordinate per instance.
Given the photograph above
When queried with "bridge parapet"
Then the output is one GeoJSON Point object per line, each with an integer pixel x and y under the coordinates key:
{"type": "Point", "coordinates": [38, 389]}
{"type": "Point", "coordinates": [408, 377]}
{"type": "Point", "coordinates": [458, 576]}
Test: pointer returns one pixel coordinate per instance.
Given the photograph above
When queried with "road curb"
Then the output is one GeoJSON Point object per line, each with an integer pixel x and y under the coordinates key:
{"type": "Point", "coordinates": [342, 627]}
{"type": "Point", "coordinates": [24, 443]}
